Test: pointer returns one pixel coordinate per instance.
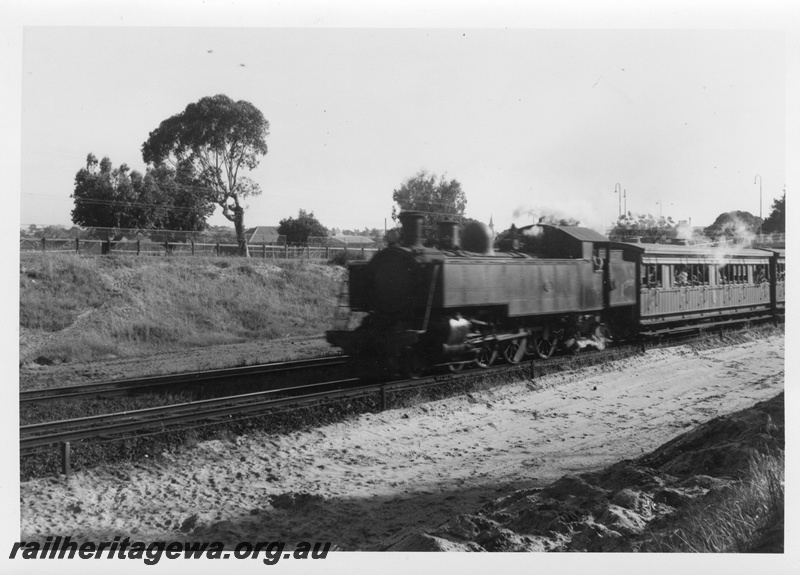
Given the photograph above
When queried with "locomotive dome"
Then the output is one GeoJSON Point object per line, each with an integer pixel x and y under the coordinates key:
{"type": "Point", "coordinates": [477, 237]}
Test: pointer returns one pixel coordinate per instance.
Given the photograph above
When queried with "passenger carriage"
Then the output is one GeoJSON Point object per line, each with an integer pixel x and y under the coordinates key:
{"type": "Point", "coordinates": [714, 285]}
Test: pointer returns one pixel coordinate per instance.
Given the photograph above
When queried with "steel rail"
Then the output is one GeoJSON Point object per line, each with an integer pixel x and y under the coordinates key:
{"type": "Point", "coordinates": [122, 386]}
{"type": "Point", "coordinates": [49, 433]}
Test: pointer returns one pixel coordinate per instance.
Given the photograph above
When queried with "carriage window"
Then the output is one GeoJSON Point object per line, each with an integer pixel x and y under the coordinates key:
{"type": "Point", "coordinates": [761, 274]}
{"type": "Point", "coordinates": [781, 271]}
{"type": "Point", "coordinates": [652, 276]}
{"type": "Point", "coordinates": [698, 274]}
{"type": "Point", "coordinates": [690, 274]}
{"type": "Point", "coordinates": [733, 274]}
{"type": "Point", "coordinates": [681, 275]}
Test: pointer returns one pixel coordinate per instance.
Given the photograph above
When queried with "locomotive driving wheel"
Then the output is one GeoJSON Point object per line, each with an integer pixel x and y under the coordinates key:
{"type": "Point", "coordinates": [456, 367]}
{"type": "Point", "coordinates": [486, 356]}
{"type": "Point", "coordinates": [514, 349]}
{"type": "Point", "coordinates": [544, 346]}
{"type": "Point", "coordinates": [602, 336]}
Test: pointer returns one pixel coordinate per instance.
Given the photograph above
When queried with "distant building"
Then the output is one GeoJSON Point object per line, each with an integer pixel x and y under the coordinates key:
{"type": "Point", "coordinates": [351, 242]}
{"type": "Point", "coordinates": [263, 235]}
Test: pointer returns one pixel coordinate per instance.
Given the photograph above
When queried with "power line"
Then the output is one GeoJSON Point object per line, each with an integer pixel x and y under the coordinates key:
{"type": "Point", "coordinates": [167, 207]}
{"type": "Point", "coordinates": [205, 190]}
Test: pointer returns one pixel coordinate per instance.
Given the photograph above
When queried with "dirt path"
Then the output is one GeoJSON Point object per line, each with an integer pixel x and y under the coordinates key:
{"type": "Point", "coordinates": [366, 482]}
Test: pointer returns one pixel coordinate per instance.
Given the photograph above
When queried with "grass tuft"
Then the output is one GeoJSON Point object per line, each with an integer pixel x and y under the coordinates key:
{"type": "Point", "coordinates": [746, 517]}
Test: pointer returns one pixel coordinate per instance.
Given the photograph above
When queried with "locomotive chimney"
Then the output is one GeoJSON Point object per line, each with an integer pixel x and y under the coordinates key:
{"type": "Point", "coordinates": [448, 235]}
{"type": "Point", "coordinates": [410, 235]}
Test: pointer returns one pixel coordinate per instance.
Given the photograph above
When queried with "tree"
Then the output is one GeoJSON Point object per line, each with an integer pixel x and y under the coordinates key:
{"type": "Point", "coordinates": [104, 198]}
{"type": "Point", "coordinates": [644, 226]}
{"type": "Point", "coordinates": [776, 220]}
{"type": "Point", "coordinates": [438, 200]}
{"type": "Point", "coordinates": [735, 226]}
{"type": "Point", "coordinates": [112, 199]}
{"type": "Point", "coordinates": [219, 138]}
{"type": "Point", "coordinates": [176, 200]}
{"type": "Point", "coordinates": [297, 231]}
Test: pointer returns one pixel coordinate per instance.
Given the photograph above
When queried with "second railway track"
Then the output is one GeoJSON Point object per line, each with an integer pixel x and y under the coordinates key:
{"type": "Point", "coordinates": [145, 384]}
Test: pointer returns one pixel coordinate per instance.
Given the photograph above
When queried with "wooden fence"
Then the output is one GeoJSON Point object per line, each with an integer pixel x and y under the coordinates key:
{"type": "Point", "coordinates": [139, 247]}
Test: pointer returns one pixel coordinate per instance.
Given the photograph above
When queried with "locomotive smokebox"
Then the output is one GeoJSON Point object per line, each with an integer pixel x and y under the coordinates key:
{"type": "Point", "coordinates": [410, 235]}
{"type": "Point", "coordinates": [448, 235]}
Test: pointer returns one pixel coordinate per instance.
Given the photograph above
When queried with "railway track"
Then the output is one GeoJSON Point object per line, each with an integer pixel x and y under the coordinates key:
{"type": "Point", "coordinates": [127, 386]}
{"type": "Point", "coordinates": [115, 426]}
{"type": "Point", "coordinates": [110, 425]}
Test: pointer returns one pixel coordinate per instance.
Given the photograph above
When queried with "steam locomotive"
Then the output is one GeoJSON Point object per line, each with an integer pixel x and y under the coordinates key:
{"type": "Point", "coordinates": [470, 301]}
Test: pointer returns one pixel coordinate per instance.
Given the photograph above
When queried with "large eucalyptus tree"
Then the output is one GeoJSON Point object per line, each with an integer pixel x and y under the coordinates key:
{"type": "Point", "coordinates": [221, 138]}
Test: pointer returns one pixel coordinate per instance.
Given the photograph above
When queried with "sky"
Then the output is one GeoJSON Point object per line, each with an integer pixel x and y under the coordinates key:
{"type": "Point", "coordinates": [679, 122]}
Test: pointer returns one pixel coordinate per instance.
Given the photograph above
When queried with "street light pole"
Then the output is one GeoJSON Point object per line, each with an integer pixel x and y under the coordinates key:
{"type": "Point", "coordinates": [618, 190]}
{"type": "Point", "coordinates": [760, 218]}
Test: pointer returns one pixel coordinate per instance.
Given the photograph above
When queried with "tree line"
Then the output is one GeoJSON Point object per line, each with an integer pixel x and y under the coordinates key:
{"type": "Point", "coordinates": [196, 160]}
{"type": "Point", "coordinates": [730, 226]}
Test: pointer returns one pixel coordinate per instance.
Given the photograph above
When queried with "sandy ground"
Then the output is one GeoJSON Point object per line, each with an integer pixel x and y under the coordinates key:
{"type": "Point", "coordinates": [368, 482]}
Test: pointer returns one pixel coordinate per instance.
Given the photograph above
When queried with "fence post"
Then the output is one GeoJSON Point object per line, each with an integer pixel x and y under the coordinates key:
{"type": "Point", "coordinates": [263, 251]}
{"type": "Point", "coordinates": [286, 252]}
{"type": "Point", "coordinates": [327, 252]}
{"type": "Point", "coordinates": [217, 248]}
{"type": "Point", "coordinates": [65, 458]}
{"type": "Point", "coordinates": [192, 246]}
{"type": "Point", "coordinates": [44, 244]}
{"type": "Point", "coordinates": [138, 247]}
{"type": "Point", "coordinates": [77, 246]}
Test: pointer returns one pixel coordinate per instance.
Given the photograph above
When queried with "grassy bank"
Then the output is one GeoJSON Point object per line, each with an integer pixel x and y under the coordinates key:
{"type": "Point", "coordinates": [745, 517]}
{"type": "Point", "coordinates": [76, 308]}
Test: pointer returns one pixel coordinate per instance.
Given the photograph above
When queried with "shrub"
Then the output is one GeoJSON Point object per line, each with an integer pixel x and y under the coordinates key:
{"type": "Point", "coordinates": [340, 258]}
